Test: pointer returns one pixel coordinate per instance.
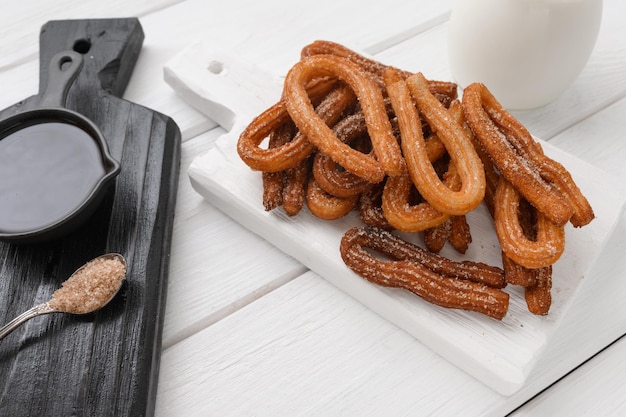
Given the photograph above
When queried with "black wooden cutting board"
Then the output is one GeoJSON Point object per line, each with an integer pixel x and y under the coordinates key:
{"type": "Point", "coordinates": [106, 363]}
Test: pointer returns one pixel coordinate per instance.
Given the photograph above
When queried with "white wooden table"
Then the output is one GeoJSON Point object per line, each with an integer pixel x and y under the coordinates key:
{"type": "Point", "coordinates": [250, 331]}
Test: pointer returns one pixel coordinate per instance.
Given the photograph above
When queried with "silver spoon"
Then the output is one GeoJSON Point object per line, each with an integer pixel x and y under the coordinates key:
{"type": "Point", "coordinates": [89, 288]}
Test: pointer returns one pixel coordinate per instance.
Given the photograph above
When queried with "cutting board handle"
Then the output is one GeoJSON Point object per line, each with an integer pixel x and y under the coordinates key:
{"type": "Point", "coordinates": [110, 48]}
{"type": "Point", "coordinates": [222, 86]}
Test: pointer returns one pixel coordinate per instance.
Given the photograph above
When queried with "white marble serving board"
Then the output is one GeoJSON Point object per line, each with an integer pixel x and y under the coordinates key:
{"type": "Point", "coordinates": [500, 354]}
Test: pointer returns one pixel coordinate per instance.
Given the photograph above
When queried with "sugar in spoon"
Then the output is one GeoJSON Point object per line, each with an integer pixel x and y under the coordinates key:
{"type": "Point", "coordinates": [89, 288]}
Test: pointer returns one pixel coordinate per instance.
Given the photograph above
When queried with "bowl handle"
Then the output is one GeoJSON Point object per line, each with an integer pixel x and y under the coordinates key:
{"type": "Point", "coordinates": [63, 69]}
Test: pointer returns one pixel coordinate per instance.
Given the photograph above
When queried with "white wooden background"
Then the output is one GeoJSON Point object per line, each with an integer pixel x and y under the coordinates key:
{"type": "Point", "coordinates": [248, 330]}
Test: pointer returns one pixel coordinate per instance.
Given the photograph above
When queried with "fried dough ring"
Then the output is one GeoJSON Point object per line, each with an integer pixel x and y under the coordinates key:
{"type": "Point", "coordinates": [399, 249]}
{"type": "Point", "coordinates": [335, 181]}
{"type": "Point", "coordinates": [294, 187]}
{"type": "Point", "coordinates": [520, 159]}
{"type": "Point", "coordinates": [331, 103]}
{"type": "Point", "coordinates": [516, 274]}
{"type": "Point", "coordinates": [327, 206]}
{"type": "Point", "coordinates": [370, 207]}
{"type": "Point", "coordinates": [455, 230]}
{"type": "Point", "coordinates": [342, 183]}
{"type": "Point", "coordinates": [396, 205]}
{"type": "Point", "coordinates": [272, 190]}
{"type": "Point", "coordinates": [273, 182]}
{"type": "Point", "coordinates": [410, 268]}
{"type": "Point", "coordinates": [445, 91]}
{"type": "Point", "coordinates": [287, 188]}
{"type": "Point", "coordinates": [403, 215]}
{"type": "Point", "coordinates": [372, 67]}
{"type": "Point", "coordinates": [544, 250]}
{"type": "Point", "coordinates": [388, 155]}
{"type": "Point", "coordinates": [458, 145]}
{"type": "Point", "coordinates": [561, 178]}
{"type": "Point", "coordinates": [460, 235]}
{"type": "Point", "coordinates": [538, 296]}
{"type": "Point", "coordinates": [436, 237]}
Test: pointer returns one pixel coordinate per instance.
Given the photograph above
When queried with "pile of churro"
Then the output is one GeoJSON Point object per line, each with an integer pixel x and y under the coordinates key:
{"type": "Point", "coordinates": [350, 133]}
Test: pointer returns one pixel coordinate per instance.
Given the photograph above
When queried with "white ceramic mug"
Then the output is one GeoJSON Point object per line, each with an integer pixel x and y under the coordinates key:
{"type": "Point", "coordinates": [527, 52]}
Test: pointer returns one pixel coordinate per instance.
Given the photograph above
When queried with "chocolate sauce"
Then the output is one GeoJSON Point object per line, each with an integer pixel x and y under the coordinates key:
{"type": "Point", "coordinates": [47, 170]}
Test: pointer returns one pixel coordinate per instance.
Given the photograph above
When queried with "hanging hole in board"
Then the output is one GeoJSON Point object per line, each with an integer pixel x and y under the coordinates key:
{"type": "Point", "coordinates": [215, 67]}
{"type": "Point", "coordinates": [82, 46]}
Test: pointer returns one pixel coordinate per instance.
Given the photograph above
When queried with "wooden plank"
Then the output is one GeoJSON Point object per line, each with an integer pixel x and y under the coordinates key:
{"type": "Point", "coordinates": [217, 265]}
{"type": "Point", "coordinates": [107, 362]}
{"type": "Point", "coordinates": [310, 349]}
{"type": "Point", "coordinates": [597, 388]}
{"type": "Point", "coordinates": [599, 140]}
{"type": "Point", "coordinates": [600, 84]}
{"type": "Point", "coordinates": [259, 34]}
{"type": "Point", "coordinates": [20, 25]}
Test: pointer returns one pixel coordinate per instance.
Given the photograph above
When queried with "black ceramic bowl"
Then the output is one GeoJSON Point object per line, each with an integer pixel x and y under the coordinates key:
{"type": "Point", "coordinates": [55, 165]}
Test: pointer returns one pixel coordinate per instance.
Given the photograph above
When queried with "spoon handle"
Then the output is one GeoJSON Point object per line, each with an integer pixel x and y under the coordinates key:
{"type": "Point", "coordinates": [38, 310]}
